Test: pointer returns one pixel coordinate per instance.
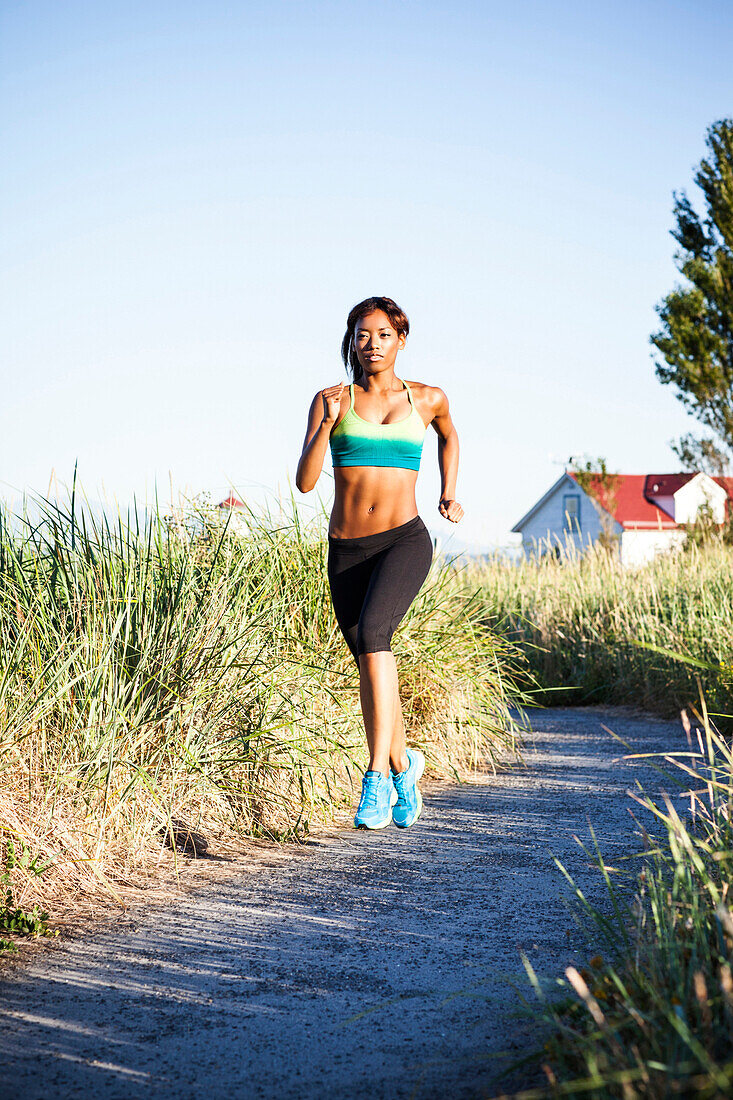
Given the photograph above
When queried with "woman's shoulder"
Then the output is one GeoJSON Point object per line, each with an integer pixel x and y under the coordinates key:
{"type": "Point", "coordinates": [431, 397]}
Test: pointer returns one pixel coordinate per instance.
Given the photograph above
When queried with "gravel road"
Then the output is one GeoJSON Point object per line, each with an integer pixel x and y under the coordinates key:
{"type": "Point", "coordinates": [373, 965]}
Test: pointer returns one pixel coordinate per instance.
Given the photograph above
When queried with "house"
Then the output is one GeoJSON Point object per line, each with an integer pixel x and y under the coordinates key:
{"type": "Point", "coordinates": [233, 513]}
{"type": "Point", "coordinates": [645, 513]}
{"type": "Point", "coordinates": [231, 504]}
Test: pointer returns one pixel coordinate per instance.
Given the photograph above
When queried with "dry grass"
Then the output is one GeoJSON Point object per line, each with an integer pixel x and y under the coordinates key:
{"type": "Point", "coordinates": [158, 671]}
{"type": "Point", "coordinates": [594, 632]}
{"type": "Point", "coordinates": [650, 1014]}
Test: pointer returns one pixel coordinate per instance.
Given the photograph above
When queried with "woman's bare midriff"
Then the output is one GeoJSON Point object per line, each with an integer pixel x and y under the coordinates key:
{"type": "Point", "coordinates": [370, 499]}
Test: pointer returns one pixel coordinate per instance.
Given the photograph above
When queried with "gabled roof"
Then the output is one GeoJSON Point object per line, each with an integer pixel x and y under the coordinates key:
{"type": "Point", "coordinates": [665, 485]}
{"type": "Point", "coordinates": [535, 507]}
{"type": "Point", "coordinates": [635, 498]}
{"type": "Point", "coordinates": [727, 484]}
{"type": "Point", "coordinates": [230, 502]}
{"type": "Point", "coordinates": [633, 508]}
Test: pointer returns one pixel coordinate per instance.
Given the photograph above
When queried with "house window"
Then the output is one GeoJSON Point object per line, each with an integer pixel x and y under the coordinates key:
{"type": "Point", "coordinates": [571, 508]}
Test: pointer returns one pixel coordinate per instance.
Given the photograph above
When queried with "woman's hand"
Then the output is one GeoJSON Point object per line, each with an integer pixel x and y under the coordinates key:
{"type": "Point", "coordinates": [450, 509]}
{"type": "Point", "coordinates": [332, 402]}
{"type": "Point", "coordinates": [322, 415]}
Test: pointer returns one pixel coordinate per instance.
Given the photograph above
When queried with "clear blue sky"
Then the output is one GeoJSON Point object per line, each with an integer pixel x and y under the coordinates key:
{"type": "Point", "coordinates": [194, 195]}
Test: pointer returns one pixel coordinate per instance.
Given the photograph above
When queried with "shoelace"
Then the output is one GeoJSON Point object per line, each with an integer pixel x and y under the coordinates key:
{"type": "Point", "coordinates": [370, 786]}
{"type": "Point", "coordinates": [400, 782]}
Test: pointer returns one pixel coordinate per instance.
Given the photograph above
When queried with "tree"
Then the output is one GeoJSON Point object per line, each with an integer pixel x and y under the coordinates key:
{"type": "Point", "coordinates": [701, 454]}
{"type": "Point", "coordinates": [595, 479]}
{"type": "Point", "coordinates": [696, 338]}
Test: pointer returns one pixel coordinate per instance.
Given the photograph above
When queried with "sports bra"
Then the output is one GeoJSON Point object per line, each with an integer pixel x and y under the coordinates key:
{"type": "Point", "coordinates": [357, 442]}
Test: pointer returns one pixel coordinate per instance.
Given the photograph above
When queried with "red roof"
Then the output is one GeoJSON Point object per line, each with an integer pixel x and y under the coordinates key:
{"type": "Point", "coordinates": [665, 485]}
{"type": "Point", "coordinates": [231, 502]}
{"type": "Point", "coordinates": [634, 497]}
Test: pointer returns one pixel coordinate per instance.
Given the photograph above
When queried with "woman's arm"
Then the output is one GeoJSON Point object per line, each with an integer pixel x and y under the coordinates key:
{"type": "Point", "coordinates": [448, 507]}
{"type": "Point", "coordinates": [322, 416]}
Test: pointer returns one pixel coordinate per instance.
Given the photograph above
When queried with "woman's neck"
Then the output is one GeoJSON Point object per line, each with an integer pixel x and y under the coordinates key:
{"type": "Point", "coordinates": [381, 383]}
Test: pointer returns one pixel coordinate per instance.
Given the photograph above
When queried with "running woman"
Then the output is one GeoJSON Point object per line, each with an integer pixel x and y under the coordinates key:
{"type": "Point", "coordinates": [379, 549]}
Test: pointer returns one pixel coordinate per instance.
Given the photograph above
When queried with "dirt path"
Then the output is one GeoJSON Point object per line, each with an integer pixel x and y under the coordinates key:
{"type": "Point", "coordinates": [376, 965]}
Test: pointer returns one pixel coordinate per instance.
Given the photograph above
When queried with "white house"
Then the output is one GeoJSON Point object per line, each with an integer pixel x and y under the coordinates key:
{"type": "Point", "coordinates": [233, 513]}
{"type": "Point", "coordinates": [646, 512]}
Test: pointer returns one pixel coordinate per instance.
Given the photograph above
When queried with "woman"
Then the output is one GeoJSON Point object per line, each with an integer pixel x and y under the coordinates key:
{"type": "Point", "coordinates": [379, 550]}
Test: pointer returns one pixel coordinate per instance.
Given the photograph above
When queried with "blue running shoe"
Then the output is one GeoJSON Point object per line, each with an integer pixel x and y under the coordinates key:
{"type": "Point", "coordinates": [409, 799]}
{"type": "Point", "coordinates": [378, 796]}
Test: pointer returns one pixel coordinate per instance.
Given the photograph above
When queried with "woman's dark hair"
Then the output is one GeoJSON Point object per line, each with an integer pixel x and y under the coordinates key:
{"type": "Point", "coordinates": [397, 317]}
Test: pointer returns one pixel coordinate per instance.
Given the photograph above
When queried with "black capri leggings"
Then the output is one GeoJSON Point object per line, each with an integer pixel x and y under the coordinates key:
{"type": "Point", "coordinates": [374, 580]}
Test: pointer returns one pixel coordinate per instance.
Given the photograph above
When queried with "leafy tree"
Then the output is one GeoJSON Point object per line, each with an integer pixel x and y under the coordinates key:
{"type": "Point", "coordinates": [595, 479]}
{"type": "Point", "coordinates": [696, 338]}
{"type": "Point", "coordinates": [701, 454]}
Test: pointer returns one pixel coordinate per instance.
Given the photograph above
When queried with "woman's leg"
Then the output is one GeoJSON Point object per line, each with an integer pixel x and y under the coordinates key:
{"type": "Point", "coordinates": [382, 712]}
{"type": "Point", "coordinates": [398, 749]}
{"type": "Point", "coordinates": [397, 578]}
{"type": "Point", "coordinates": [349, 573]}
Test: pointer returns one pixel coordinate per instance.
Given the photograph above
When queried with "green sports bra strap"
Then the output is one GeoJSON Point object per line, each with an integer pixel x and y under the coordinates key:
{"type": "Point", "coordinates": [409, 396]}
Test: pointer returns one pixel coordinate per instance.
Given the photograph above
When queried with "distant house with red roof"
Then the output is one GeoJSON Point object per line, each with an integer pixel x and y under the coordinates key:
{"type": "Point", "coordinates": [232, 504]}
{"type": "Point", "coordinates": [646, 512]}
{"type": "Point", "coordinates": [233, 513]}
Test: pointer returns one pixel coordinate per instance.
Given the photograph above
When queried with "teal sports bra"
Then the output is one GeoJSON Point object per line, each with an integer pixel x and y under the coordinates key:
{"type": "Point", "coordinates": [357, 442]}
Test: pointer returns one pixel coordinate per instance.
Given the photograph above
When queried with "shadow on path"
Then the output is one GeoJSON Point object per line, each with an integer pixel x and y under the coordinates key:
{"type": "Point", "coordinates": [379, 965]}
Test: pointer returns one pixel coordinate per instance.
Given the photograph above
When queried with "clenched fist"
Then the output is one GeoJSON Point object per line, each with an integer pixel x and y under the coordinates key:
{"type": "Point", "coordinates": [332, 402]}
{"type": "Point", "coordinates": [450, 509]}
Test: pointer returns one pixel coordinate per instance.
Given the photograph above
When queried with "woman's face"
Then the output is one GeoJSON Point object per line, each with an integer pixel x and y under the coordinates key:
{"type": "Point", "coordinates": [376, 342]}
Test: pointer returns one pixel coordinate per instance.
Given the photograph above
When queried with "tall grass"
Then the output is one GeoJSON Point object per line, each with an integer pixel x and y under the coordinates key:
{"type": "Point", "coordinates": [594, 632]}
{"type": "Point", "coordinates": [651, 1015]}
{"type": "Point", "coordinates": [157, 670]}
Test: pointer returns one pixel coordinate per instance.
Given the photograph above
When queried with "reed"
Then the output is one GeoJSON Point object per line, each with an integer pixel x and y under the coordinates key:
{"type": "Point", "coordinates": [158, 670]}
{"type": "Point", "coordinates": [650, 1015]}
{"type": "Point", "coordinates": [594, 632]}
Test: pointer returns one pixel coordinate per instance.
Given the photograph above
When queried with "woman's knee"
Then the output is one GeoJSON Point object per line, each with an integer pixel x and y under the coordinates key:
{"type": "Point", "coordinates": [373, 636]}
{"type": "Point", "coordinates": [377, 624]}
{"type": "Point", "coordinates": [374, 664]}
